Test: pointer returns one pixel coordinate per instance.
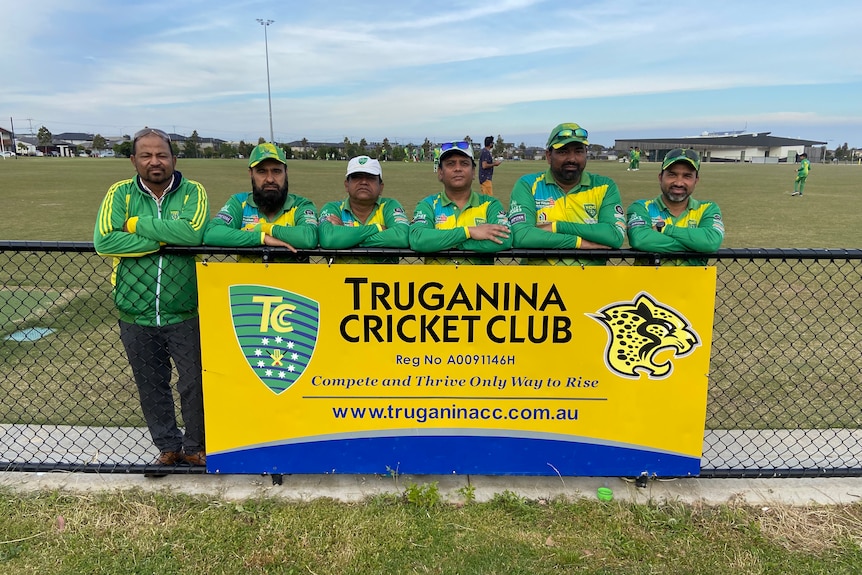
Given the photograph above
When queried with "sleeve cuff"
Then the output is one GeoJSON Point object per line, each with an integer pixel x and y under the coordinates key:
{"type": "Point", "coordinates": [578, 242]}
{"type": "Point", "coordinates": [467, 232]}
{"type": "Point", "coordinates": [132, 224]}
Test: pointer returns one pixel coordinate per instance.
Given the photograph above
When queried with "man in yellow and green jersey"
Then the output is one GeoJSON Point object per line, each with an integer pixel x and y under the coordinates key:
{"type": "Point", "coordinates": [268, 215]}
{"type": "Point", "coordinates": [459, 218]}
{"type": "Point", "coordinates": [364, 218]}
{"type": "Point", "coordinates": [674, 221]}
{"type": "Point", "coordinates": [566, 207]}
{"type": "Point", "coordinates": [634, 159]}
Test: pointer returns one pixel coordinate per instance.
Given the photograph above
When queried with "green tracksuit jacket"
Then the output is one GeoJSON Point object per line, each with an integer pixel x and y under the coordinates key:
{"type": "Point", "coordinates": [150, 288]}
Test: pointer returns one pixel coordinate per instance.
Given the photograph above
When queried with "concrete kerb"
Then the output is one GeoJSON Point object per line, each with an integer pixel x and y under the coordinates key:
{"type": "Point", "coordinates": [353, 488]}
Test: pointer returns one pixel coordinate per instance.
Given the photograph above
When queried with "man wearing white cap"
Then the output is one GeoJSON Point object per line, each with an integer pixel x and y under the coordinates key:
{"type": "Point", "coordinates": [364, 218]}
{"type": "Point", "coordinates": [458, 217]}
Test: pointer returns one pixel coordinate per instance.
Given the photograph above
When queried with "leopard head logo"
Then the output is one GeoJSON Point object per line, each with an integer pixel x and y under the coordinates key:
{"type": "Point", "coordinates": [638, 331]}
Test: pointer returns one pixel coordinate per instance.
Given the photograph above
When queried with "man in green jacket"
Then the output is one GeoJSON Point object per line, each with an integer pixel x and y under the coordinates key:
{"type": "Point", "coordinates": [458, 217]}
{"type": "Point", "coordinates": [566, 207]}
{"type": "Point", "coordinates": [269, 214]}
{"type": "Point", "coordinates": [364, 218]}
{"type": "Point", "coordinates": [674, 221]}
{"type": "Point", "coordinates": [156, 293]}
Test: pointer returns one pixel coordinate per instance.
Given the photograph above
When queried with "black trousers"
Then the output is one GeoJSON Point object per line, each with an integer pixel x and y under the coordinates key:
{"type": "Point", "coordinates": [150, 351]}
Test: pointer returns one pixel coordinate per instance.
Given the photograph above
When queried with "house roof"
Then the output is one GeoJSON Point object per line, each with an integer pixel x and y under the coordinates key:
{"type": "Point", "coordinates": [73, 136]}
{"type": "Point", "coordinates": [753, 140]}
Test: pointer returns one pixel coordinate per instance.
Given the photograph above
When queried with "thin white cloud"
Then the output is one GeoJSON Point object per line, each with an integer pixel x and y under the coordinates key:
{"type": "Point", "coordinates": [411, 65]}
{"type": "Point", "coordinates": [453, 14]}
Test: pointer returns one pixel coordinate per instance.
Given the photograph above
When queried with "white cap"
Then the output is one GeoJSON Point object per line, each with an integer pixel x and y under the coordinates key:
{"type": "Point", "coordinates": [364, 165]}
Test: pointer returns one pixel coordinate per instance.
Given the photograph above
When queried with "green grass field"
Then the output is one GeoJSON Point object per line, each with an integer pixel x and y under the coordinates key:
{"type": "Point", "coordinates": [83, 378]}
{"type": "Point", "coordinates": [61, 195]}
{"type": "Point", "coordinates": [757, 209]}
{"type": "Point", "coordinates": [136, 532]}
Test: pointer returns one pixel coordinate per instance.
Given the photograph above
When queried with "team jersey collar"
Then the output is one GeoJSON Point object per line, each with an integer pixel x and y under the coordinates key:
{"type": "Point", "coordinates": [345, 205]}
{"type": "Point", "coordinates": [472, 202]}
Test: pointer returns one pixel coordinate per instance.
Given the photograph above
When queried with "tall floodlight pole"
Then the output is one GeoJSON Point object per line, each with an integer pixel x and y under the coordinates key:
{"type": "Point", "coordinates": [265, 24]}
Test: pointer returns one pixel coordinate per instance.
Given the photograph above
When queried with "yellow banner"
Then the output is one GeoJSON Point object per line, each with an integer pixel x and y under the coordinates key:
{"type": "Point", "coordinates": [310, 368]}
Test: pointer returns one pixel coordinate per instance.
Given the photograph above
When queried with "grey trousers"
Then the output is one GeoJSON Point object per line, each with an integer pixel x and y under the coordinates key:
{"type": "Point", "coordinates": [150, 351]}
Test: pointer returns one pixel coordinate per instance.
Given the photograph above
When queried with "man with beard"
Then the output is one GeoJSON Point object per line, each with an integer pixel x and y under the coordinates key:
{"type": "Point", "coordinates": [269, 215]}
{"type": "Point", "coordinates": [156, 293]}
{"type": "Point", "coordinates": [364, 218]}
{"type": "Point", "coordinates": [566, 207]}
{"type": "Point", "coordinates": [674, 221]}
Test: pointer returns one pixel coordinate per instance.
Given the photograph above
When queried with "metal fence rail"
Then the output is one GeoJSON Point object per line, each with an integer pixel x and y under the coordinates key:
{"type": "Point", "coordinates": [784, 384]}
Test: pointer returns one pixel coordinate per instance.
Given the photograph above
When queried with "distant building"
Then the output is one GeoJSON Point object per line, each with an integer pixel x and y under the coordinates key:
{"type": "Point", "coordinates": [301, 147]}
{"type": "Point", "coordinates": [73, 139]}
{"type": "Point", "coordinates": [5, 140]}
{"type": "Point", "coordinates": [731, 147]}
{"type": "Point", "coordinates": [28, 146]}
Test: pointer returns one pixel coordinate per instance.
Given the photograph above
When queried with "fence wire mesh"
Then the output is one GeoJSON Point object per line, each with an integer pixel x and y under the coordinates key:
{"type": "Point", "coordinates": [784, 383]}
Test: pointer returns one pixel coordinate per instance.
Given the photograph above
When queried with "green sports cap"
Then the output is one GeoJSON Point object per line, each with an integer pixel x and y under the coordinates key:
{"type": "Point", "coordinates": [566, 134]}
{"type": "Point", "coordinates": [681, 155]}
{"type": "Point", "coordinates": [266, 151]}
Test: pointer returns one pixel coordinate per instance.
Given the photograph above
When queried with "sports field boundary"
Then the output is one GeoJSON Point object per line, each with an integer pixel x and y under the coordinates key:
{"type": "Point", "coordinates": [356, 488]}
{"type": "Point", "coordinates": [784, 398]}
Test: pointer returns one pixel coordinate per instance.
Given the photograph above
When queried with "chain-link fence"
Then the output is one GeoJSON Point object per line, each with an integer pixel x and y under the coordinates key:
{"type": "Point", "coordinates": [784, 380]}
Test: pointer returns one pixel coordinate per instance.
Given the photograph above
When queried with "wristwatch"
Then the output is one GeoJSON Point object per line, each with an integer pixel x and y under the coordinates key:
{"type": "Point", "coordinates": [659, 226]}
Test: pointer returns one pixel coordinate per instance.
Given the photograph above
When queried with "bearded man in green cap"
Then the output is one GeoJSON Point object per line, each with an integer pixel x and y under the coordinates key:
{"type": "Point", "coordinates": [566, 207]}
{"type": "Point", "coordinates": [269, 214]}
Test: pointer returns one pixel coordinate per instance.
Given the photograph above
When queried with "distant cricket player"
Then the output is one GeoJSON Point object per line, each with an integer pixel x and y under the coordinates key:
{"type": "Point", "coordinates": [801, 175]}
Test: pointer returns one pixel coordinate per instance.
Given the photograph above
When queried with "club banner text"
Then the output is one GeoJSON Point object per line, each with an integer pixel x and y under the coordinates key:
{"type": "Point", "coordinates": [527, 370]}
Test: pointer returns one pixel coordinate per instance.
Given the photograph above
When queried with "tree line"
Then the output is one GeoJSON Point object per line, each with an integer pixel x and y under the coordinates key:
{"type": "Point", "coordinates": [193, 147]}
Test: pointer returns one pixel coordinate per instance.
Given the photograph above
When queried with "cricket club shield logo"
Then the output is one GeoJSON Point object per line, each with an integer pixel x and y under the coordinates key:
{"type": "Point", "coordinates": [277, 331]}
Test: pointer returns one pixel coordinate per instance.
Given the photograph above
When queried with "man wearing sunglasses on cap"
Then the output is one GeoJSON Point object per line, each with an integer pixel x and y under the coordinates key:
{"type": "Point", "coordinates": [566, 207]}
{"type": "Point", "coordinates": [458, 217]}
{"type": "Point", "coordinates": [268, 215]}
{"type": "Point", "coordinates": [364, 218]}
{"type": "Point", "coordinates": [674, 221]}
{"type": "Point", "coordinates": [156, 293]}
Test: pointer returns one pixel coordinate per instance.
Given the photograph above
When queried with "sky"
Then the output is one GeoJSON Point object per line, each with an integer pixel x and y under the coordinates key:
{"type": "Point", "coordinates": [410, 70]}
